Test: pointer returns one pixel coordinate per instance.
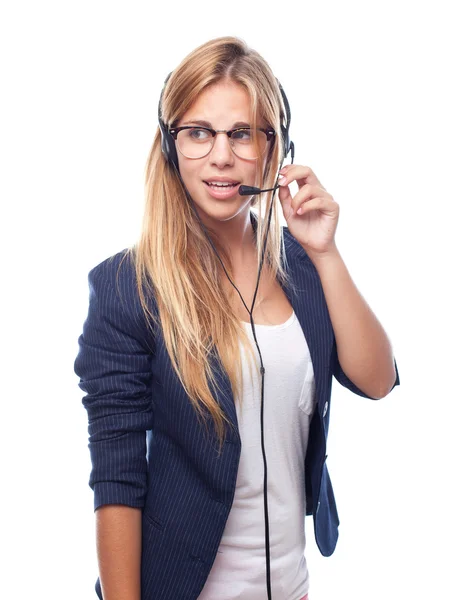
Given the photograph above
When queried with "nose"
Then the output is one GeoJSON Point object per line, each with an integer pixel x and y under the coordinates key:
{"type": "Point", "coordinates": [221, 152]}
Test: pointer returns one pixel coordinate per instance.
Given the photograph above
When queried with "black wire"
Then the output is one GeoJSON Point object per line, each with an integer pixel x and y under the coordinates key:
{"type": "Point", "coordinates": [262, 369]}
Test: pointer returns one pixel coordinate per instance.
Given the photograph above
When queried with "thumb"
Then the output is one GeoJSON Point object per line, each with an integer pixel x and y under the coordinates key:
{"type": "Point", "coordinates": [286, 200]}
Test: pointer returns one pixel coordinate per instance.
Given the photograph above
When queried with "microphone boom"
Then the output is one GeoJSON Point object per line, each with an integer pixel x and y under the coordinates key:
{"type": "Point", "coordinates": [247, 190]}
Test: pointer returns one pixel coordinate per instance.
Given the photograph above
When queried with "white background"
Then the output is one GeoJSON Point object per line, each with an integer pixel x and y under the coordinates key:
{"type": "Point", "coordinates": [379, 99]}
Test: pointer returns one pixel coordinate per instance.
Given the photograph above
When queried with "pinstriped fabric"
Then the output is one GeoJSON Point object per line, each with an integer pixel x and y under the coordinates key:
{"type": "Point", "coordinates": [116, 376]}
{"type": "Point", "coordinates": [146, 445]}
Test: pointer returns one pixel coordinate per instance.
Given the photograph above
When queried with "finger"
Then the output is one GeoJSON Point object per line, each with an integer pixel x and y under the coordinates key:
{"type": "Point", "coordinates": [319, 203]}
{"type": "Point", "coordinates": [307, 192]}
{"type": "Point", "coordinates": [284, 195]}
{"type": "Point", "coordinates": [285, 199]}
{"type": "Point", "coordinates": [298, 173]}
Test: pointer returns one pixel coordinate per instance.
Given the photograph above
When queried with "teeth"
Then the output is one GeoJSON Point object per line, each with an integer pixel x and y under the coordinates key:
{"type": "Point", "coordinates": [220, 184]}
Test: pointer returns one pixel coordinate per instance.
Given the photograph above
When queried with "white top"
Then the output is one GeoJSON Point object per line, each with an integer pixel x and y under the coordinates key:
{"type": "Point", "coordinates": [239, 570]}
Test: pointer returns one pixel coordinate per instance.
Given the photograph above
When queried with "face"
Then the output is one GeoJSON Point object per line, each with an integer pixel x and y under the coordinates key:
{"type": "Point", "coordinates": [222, 105]}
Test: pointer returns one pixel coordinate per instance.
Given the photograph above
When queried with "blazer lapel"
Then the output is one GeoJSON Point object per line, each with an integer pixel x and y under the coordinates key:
{"type": "Point", "coordinates": [309, 304]}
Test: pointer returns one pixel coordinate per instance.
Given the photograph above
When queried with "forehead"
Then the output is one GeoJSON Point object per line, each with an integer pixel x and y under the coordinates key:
{"type": "Point", "coordinates": [221, 105]}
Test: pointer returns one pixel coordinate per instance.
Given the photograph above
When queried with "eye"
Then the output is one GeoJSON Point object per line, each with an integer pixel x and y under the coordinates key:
{"type": "Point", "coordinates": [199, 134]}
{"type": "Point", "coordinates": [243, 135]}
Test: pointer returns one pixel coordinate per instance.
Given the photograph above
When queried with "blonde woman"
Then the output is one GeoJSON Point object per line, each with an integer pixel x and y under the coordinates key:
{"type": "Point", "coordinates": [209, 348]}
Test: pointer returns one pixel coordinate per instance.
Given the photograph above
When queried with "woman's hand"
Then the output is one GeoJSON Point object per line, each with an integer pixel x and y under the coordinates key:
{"type": "Point", "coordinates": [314, 228]}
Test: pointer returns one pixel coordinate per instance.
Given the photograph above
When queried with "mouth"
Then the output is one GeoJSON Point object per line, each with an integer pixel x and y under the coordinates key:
{"type": "Point", "coordinates": [222, 191]}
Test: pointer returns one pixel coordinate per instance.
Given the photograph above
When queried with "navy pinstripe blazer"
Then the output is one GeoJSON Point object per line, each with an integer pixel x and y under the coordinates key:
{"type": "Point", "coordinates": [184, 488]}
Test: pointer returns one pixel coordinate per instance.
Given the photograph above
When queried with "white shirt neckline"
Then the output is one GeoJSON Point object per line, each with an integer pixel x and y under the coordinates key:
{"type": "Point", "coordinates": [289, 321]}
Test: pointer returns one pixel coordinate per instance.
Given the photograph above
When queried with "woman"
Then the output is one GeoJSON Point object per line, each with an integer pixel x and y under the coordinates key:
{"type": "Point", "coordinates": [225, 391]}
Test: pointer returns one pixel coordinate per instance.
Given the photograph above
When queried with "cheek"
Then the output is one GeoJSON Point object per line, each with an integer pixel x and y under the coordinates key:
{"type": "Point", "coordinates": [252, 171]}
{"type": "Point", "coordinates": [189, 176]}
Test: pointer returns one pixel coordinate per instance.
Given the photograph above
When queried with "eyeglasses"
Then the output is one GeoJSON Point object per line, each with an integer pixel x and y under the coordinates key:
{"type": "Point", "coordinates": [247, 143]}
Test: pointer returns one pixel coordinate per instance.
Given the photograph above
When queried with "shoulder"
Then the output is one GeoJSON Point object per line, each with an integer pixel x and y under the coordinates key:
{"type": "Point", "coordinates": [116, 277]}
{"type": "Point", "coordinates": [119, 265]}
{"type": "Point", "coordinates": [113, 286]}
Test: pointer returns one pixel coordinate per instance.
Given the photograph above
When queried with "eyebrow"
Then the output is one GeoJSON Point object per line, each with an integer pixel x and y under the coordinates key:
{"type": "Point", "coordinates": [207, 124]}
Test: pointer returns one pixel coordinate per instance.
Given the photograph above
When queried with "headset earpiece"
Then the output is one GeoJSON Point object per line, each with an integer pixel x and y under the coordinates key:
{"type": "Point", "coordinates": [168, 143]}
{"type": "Point", "coordinates": [285, 129]}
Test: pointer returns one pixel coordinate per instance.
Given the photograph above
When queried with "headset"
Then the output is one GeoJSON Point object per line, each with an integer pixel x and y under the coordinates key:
{"type": "Point", "coordinates": [171, 156]}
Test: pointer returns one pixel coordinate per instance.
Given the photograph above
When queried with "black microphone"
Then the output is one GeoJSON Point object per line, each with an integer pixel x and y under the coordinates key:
{"type": "Point", "coordinates": [247, 190]}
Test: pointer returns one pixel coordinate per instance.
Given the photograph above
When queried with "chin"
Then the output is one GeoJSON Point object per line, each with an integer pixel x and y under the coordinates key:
{"type": "Point", "coordinates": [222, 210]}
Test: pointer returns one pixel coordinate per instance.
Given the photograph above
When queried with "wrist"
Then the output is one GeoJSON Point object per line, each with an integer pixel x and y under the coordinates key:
{"type": "Point", "coordinates": [325, 257]}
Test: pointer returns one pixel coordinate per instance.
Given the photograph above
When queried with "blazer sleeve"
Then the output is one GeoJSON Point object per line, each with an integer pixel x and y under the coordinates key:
{"type": "Point", "coordinates": [114, 366]}
{"type": "Point", "coordinates": [344, 380]}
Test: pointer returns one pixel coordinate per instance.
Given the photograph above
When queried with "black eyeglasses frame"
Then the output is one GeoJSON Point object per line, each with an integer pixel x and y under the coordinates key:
{"type": "Point", "coordinates": [268, 131]}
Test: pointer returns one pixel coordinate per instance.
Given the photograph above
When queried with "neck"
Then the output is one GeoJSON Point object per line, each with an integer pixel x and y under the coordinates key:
{"type": "Point", "coordinates": [238, 239]}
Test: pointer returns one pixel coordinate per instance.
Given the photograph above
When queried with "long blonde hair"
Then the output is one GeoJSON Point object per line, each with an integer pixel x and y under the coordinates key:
{"type": "Point", "coordinates": [173, 257]}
